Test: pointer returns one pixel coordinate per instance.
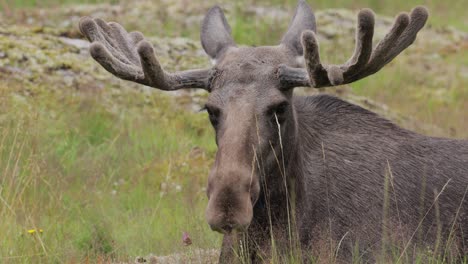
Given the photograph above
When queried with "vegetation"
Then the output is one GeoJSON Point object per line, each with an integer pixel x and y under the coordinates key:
{"type": "Point", "coordinates": [95, 169]}
{"type": "Point", "coordinates": [443, 12]}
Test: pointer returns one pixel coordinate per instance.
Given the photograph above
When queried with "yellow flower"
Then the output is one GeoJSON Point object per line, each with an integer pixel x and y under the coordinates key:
{"type": "Point", "coordinates": [33, 231]}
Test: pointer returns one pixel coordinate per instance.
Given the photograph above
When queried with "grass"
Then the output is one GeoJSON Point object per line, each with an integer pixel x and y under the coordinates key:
{"type": "Point", "coordinates": [46, 3]}
{"type": "Point", "coordinates": [114, 173]}
{"type": "Point", "coordinates": [442, 12]}
{"type": "Point", "coordinates": [101, 183]}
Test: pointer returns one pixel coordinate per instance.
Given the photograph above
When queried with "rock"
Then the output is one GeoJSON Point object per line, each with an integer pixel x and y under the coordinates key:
{"type": "Point", "coordinates": [78, 43]}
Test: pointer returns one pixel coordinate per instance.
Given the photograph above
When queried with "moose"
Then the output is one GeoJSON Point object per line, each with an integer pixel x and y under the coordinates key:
{"type": "Point", "coordinates": [306, 174]}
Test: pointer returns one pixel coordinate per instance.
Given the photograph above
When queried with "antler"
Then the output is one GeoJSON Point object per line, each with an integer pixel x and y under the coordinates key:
{"type": "Point", "coordinates": [130, 57]}
{"type": "Point", "coordinates": [364, 61]}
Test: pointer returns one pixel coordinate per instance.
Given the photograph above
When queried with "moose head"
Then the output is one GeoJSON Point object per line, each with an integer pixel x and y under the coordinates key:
{"type": "Point", "coordinates": [250, 104]}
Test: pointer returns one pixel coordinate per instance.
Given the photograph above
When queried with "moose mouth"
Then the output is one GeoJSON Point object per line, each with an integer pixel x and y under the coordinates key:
{"type": "Point", "coordinates": [230, 208]}
{"type": "Point", "coordinates": [229, 228]}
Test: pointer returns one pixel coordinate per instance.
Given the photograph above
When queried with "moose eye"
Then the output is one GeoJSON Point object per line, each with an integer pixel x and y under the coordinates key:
{"type": "Point", "coordinates": [278, 111]}
{"type": "Point", "coordinates": [213, 114]}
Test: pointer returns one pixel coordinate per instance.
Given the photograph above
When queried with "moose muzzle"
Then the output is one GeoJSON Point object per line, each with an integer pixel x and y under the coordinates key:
{"type": "Point", "coordinates": [232, 196]}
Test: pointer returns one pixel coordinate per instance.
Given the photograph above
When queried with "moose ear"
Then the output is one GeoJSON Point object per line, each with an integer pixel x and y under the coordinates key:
{"type": "Point", "coordinates": [215, 33]}
{"type": "Point", "coordinates": [303, 20]}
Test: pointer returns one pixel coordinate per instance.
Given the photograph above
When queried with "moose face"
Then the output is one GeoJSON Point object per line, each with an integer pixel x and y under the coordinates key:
{"type": "Point", "coordinates": [249, 112]}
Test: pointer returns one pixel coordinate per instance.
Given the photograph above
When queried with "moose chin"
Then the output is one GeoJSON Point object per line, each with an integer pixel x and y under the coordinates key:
{"type": "Point", "coordinates": [292, 172]}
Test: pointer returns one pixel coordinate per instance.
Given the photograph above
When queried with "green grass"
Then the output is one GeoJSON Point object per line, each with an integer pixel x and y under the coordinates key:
{"type": "Point", "coordinates": [261, 31]}
{"type": "Point", "coordinates": [451, 12]}
{"type": "Point", "coordinates": [47, 3]}
{"type": "Point", "coordinates": [442, 12]}
{"type": "Point", "coordinates": [100, 183]}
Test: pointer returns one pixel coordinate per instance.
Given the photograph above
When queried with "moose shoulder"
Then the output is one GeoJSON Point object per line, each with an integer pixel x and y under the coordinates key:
{"type": "Point", "coordinates": [299, 176]}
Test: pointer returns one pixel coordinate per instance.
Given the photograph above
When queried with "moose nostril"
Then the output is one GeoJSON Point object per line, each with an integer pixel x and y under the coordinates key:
{"type": "Point", "coordinates": [227, 228]}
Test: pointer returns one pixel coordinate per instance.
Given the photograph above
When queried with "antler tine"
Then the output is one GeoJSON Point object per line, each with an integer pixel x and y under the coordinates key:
{"type": "Point", "coordinates": [364, 61]}
{"type": "Point", "coordinates": [336, 74]}
{"type": "Point", "coordinates": [317, 73]}
{"type": "Point", "coordinates": [113, 64]}
{"type": "Point", "coordinates": [418, 18]}
{"type": "Point", "coordinates": [130, 57]}
{"type": "Point", "coordinates": [387, 43]}
{"type": "Point", "coordinates": [363, 47]}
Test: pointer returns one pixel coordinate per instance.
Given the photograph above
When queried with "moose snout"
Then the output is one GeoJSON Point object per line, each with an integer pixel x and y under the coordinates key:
{"type": "Point", "coordinates": [228, 211]}
{"type": "Point", "coordinates": [231, 207]}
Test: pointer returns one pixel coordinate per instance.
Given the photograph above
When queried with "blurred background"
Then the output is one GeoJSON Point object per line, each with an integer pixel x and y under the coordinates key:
{"type": "Point", "coordinates": [96, 169]}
